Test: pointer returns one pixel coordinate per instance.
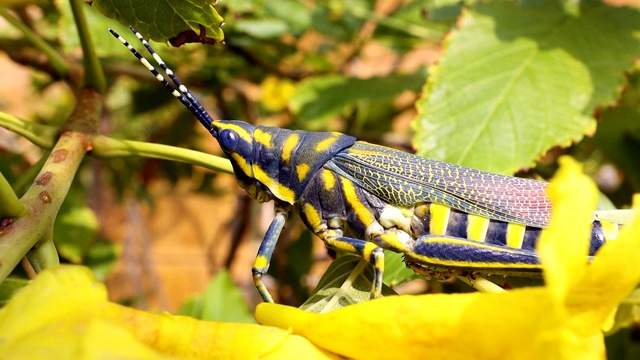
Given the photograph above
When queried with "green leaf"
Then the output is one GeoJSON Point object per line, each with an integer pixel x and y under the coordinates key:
{"type": "Point", "coordinates": [517, 79]}
{"type": "Point", "coordinates": [101, 257]}
{"type": "Point", "coordinates": [271, 19]}
{"type": "Point", "coordinates": [347, 281]}
{"type": "Point", "coordinates": [221, 301]}
{"type": "Point", "coordinates": [322, 97]}
{"type": "Point", "coordinates": [262, 29]}
{"type": "Point", "coordinates": [296, 14]}
{"type": "Point", "coordinates": [396, 271]}
{"type": "Point", "coordinates": [8, 287]}
{"type": "Point", "coordinates": [163, 20]}
{"type": "Point", "coordinates": [75, 228]}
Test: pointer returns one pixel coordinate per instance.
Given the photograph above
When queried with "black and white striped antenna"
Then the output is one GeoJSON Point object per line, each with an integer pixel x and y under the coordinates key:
{"type": "Point", "coordinates": [180, 91]}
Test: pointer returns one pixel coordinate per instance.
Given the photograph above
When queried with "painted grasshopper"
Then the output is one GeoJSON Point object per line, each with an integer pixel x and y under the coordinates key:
{"type": "Point", "coordinates": [363, 198]}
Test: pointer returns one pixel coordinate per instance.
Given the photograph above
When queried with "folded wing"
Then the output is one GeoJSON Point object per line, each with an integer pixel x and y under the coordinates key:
{"type": "Point", "coordinates": [406, 179]}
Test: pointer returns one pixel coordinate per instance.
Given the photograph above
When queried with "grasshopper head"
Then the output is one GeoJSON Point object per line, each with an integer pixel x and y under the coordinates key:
{"type": "Point", "coordinates": [236, 138]}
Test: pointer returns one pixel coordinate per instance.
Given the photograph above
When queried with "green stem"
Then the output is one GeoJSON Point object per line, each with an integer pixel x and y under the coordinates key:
{"type": "Point", "coordinates": [61, 66]}
{"type": "Point", "coordinates": [44, 255]}
{"type": "Point", "coordinates": [10, 205]}
{"type": "Point", "coordinates": [93, 74]}
{"type": "Point", "coordinates": [41, 135]}
{"type": "Point", "coordinates": [105, 147]}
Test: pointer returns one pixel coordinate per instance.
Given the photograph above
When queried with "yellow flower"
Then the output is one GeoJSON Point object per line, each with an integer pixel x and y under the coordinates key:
{"type": "Point", "coordinates": [562, 320]}
{"type": "Point", "coordinates": [64, 314]}
{"type": "Point", "coordinates": [276, 93]}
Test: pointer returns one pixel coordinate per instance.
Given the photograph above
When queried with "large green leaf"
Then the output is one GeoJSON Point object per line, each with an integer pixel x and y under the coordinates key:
{"type": "Point", "coordinates": [517, 79]}
{"type": "Point", "coordinates": [164, 20]}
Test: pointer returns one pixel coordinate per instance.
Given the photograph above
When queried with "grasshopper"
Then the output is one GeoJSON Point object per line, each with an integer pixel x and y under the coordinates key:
{"type": "Point", "coordinates": [363, 198]}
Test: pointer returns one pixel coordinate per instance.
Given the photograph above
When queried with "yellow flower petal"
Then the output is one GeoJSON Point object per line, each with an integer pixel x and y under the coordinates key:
{"type": "Point", "coordinates": [78, 339]}
{"type": "Point", "coordinates": [516, 324]}
{"type": "Point", "coordinates": [57, 316]}
{"type": "Point", "coordinates": [185, 336]}
{"type": "Point", "coordinates": [39, 303]}
{"type": "Point", "coordinates": [64, 313]}
{"type": "Point", "coordinates": [613, 274]}
{"type": "Point", "coordinates": [564, 248]}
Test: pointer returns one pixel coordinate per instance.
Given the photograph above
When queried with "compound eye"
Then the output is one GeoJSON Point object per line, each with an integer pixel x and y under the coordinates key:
{"type": "Point", "coordinates": [228, 140]}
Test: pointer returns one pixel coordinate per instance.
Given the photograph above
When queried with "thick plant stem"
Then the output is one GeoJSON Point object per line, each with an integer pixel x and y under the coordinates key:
{"type": "Point", "coordinates": [46, 194]}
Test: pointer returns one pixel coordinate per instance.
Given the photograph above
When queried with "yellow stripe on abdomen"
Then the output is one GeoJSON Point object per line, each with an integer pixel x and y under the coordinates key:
{"type": "Point", "coordinates": [515, 235]}
{"type": "Point", "coordinates": [439, 219]}
{"type": "Point", "coordinates": [477, 227]}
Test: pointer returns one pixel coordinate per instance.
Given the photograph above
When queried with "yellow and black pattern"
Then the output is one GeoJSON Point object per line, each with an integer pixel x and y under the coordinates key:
{"type": "Point", "coordinates": [280, 160]}
{"type": "Point", "coordinates": [404, 179]}
{"type": "Point", "coordinates": [364, 198]}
